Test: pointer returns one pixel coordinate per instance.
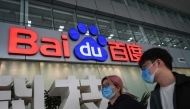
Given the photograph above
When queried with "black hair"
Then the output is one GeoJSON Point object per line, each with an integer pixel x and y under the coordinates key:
{"type": "Point", "coordinates": [157, 53]}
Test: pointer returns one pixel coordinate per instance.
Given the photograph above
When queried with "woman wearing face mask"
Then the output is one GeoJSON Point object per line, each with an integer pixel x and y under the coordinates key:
{"type": "Point", "coordinates": [112, 89]}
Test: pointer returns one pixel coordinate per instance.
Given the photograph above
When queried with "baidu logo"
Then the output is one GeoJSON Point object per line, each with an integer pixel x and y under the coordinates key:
{"type": "Point", "coordinates": [88, 48]}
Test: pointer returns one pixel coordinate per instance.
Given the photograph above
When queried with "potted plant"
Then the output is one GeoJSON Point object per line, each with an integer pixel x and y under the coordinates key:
{"type": "Point", "coordinates": [144, 98]}
{"type": "Point", "coordinates": [51, 102]}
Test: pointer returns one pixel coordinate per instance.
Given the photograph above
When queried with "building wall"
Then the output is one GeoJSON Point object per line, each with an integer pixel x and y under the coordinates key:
{"type": "Point", "coordinates": [26, 67]}
{"type": "Point", "coordinates": [131, 75]}
{"type": "Point", "coordinates": [121, 11]}
{"type": "Point", "coordinates": [179, 5]}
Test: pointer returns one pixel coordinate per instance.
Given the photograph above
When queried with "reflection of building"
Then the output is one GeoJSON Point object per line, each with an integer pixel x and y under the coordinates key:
{"type": "Point", "coordinates": [145, 23]}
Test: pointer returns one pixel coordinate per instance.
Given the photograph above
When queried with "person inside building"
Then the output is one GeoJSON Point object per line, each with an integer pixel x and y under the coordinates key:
{"type": "Point", "coordinates": [172, 90]}
{"type": "Point", "coordinates": [112, 90]}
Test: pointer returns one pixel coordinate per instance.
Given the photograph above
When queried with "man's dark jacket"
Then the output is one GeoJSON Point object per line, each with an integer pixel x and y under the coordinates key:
{"type": "Point", "coordinates": [181, 96]}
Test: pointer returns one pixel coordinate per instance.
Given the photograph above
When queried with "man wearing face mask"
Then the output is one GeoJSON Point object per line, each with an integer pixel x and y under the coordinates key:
{"type": "Point", "coordinates": [172, 90]}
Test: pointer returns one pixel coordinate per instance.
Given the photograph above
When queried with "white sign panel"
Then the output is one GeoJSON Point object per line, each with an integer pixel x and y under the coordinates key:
{"type": "Point", "coordinates": [72, 92]}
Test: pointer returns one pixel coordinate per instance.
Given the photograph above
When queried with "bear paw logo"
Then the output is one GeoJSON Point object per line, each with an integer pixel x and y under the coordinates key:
{"type": "Point", "coordinates": [88, 48]}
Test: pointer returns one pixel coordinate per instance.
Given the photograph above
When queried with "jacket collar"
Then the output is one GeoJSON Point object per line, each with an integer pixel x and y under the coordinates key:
{"type": "Point", "coordinates": [181, 78]}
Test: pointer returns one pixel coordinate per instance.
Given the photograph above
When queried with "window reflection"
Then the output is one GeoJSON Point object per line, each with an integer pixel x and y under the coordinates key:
{"type": "Point", "coordinates": [170, 14]}
{"type": "Point", "coordinates": [39, 16]}
{"type": "Point", "coordinates": [63, 20]}
{"type": "Point", "coordinates": [177, 16]}
{"type": "Point", "coordinates": [188, 39]}
{"type": "Point", "coordinates": [153, 40]}
{"type": "Point", "coordinates": [152, 8]}
{"type": "Point", "coordinates": [119, 1]}
{"type": "Point", "coordinates": [164, 40]}
{"type": "Point", "coordinates": [142, 5]}
{"type": "Point", "coordinates": [184, 18]}
{"type": "Point", "coordinates": [162, 11]}
{"type": "Point", "coordinates": [88, 20]}
{"type": "Point", "coordinates": [10, 11]}
{"type": "Point", "coordinates": [106, 29]}
{"type": "Point", "coordinates": [138, 34]}
{"type": "Point", "coordinates": [183, 41]}
{"type": "Point", "coordinates": [188, 19]}
{"type": "Point", "coordinates": [132, 3]}
{"type": "Point", "coordinates": [124, 32]}
{"type": "Point", "coordinates": [174, 41]}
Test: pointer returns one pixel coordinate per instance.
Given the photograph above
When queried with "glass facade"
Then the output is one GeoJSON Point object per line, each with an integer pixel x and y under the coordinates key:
{"type": "Point", "coordinates": [183, 41]}
{"type": "Point", "coordinates": [188, 19]}
{"type": "Point", "coordinates": [153, 40]}
{"type": "Point", "coordinates": [184, 18]}
{"type": "Point", "coordinates": [120, 1]}
{"type": "Point", "coordinates": [188, 39]}
{"type": "Point", "coordinates": [143, 5]}
{"type": "Point", "coordinates": [43, 17]}
{"type": "Point", "coordinates": [132, 3]}
{"type": "Point", "coordinates": [162, 12]}
{"type": "Point", "coordinates": [39, 16]}
{"type": "Point", "coordinates": [58, 18]}
{"type": "Point", "coordinates": [173, 40]}
{"type": "Point", "coordinates": [164, 40]}
{"type": "Point", "coordinates": [86, 18]}
{"type": "Point", "coordinates": [177, 16]}
{"type": "Point", "coordinates": [63, 20]}
{"type": "Point", "coordinates": [10, 11]}
{"type": "Point", "coordinates": [170, 14]}
{"type": "Point", "coordinates": [153, 8]}
{"type": "Point", "coordinates": [124, 32]}
{"type": "Point", "coordinates": [140, 38]}
{"type": "Point", "coordinates": [106, 28]}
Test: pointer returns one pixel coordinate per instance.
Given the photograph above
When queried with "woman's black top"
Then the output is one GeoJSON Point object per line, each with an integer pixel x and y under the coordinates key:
{"type": "Point", "coordinates": [125, 101]}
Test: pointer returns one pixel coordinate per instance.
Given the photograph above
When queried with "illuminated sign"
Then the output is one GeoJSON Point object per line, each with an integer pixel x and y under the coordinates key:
{"type": "Point", "coordinates": [87, 49]}
{"type": "Point", "coordinates": [14, 41]}
{"type": "Point", "coordinates": [127, 51]}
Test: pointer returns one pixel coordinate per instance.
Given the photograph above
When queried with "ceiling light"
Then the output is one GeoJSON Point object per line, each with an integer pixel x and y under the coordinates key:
{"type": "Point", "coordinates": [60, 30]}
{"type": "Point", "coordinates": [131, 38]}
{"type": "Point", "coordinates": [162, 43]}
{"type": "Point", "coordinates": [185, 47]}
{"type": "Point", "coordinates": [128, 40]}
{"type": "Point", "coordinates": [87, 33]}
{"type": "Point", "coordinates": [174, 45]}
{"type": "Point", "coordinates": [61, 27]}
{"type": "Point", "coordinates": [158, 45]}
{"type": "Point", "coordinates": [111, 35]}
{"type": "Point", "coordinates": [29, 22]}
